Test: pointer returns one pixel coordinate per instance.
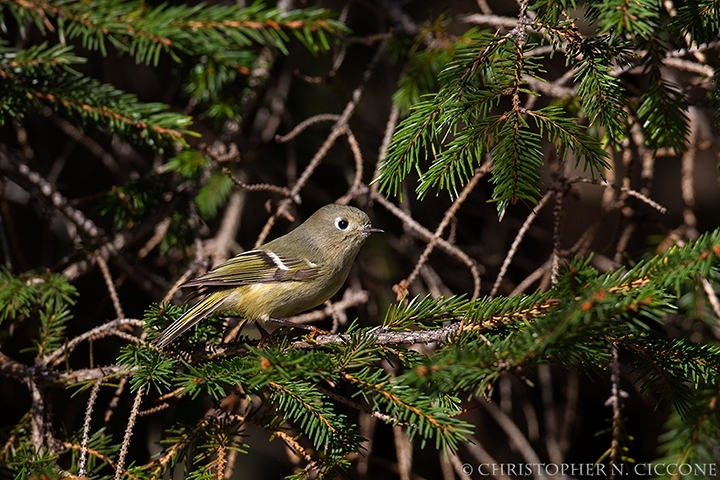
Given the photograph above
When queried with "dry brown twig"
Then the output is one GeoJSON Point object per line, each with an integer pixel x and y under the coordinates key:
{"type": "Point", "coordinates": [557, 223]}
{"type": "Point", "coordinates": [82, 462]}
{"type": "Point", "coordinates": [119, 243]}
{"type": "Point", "coordinates": [687, 183]}
{"type": "Point", "coordinates": [302, 126]}
{"type": "Point", "coordinates": [49, 193]}
{"type": "Point", "coordinates": [357, 186]}
{"type": "Point", "coordinates": [337, 129]}
{"type": "Point", "coordinates": [427, 236]}
{"type": "Point", "coordinates": [258, 187]}
{"type": "Point", "coordinates": [111, 287]}
{"type": "Point", "coordinates": [351, 298]}
{"type": "Point", "coordinates": [626, 190]}
{"type": "Point", "coordinates": [449, 215]}
{"type": "Point", "coordinates": [112, 405]}
{"type": "Point", "coordinates": [615, 401]}
{"type": "Point", "coordinates": [110, 328]}
{"type": "Point", "coordinates": [223, 243]}
{"type": "Point", "coordinates": [120, 466]}
{"type": "Point", "coordinates": [518, 238]}
{"type": "Point", "coordinates": [515, 435]}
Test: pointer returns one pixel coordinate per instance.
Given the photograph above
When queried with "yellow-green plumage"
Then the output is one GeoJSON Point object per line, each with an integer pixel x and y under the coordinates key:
{"type": "Point", "coordinates": [284, 277]}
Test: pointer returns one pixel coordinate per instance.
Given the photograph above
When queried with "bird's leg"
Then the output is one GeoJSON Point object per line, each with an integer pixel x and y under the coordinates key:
{"type": "Point", "coordinates": [313, 330]}
{"type": "Point", "coordinates": [264, 335]}
{"type": "Point", "coordinates": [234, 333]}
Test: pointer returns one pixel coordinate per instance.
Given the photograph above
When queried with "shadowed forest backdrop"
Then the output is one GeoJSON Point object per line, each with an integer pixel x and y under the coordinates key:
{"type": "Point", "coordinates": [546, 291]}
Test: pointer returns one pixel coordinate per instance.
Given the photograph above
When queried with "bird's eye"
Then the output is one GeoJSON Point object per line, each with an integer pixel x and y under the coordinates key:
{"type": "Point", "coordinates": [341, 223]}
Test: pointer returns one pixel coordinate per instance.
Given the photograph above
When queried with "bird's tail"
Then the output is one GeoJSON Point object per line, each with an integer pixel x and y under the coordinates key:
{"type": "Point", "coordinates": [204, 307]}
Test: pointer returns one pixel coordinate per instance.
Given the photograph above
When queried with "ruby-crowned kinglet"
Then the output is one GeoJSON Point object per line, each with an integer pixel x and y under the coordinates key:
{"type": "Point", "coordinates": [284, 277]}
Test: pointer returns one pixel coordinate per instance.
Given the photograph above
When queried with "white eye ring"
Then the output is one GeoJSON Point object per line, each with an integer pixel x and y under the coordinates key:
{"type": "Point", "coordinates": [341, 223]}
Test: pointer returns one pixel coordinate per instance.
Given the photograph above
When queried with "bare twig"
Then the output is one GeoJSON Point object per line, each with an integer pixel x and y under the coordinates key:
{"type": "Point", "coordinates": [712, 296]}
{"type": "Point", "coordinates": [351, 298]}
{"type": "Point", "coordinates": [82, 462]}
{"type": "Point", "coordinates": [516, 436]}
{"type": "Point", "coordinates": [557, 224]}
{"type": "Point", "coordinates": [337, 129]}
{"type": "Point", "coordinates": [367, 425]}
{"type": "Point", "coordinates": [647, 160]}
{"type": "Point", "coordinates": [259, 187]}
{"type": "Point", "coordinates": [687, 182]}
{"type": "Point", "coordinates": [440, 335]}
{"type": "Point", "coordinates": [101, 331]}
{"type": "Point", "coordinates": [111, 287]}
{"type": "Point", "coordinates": [714, 303]}
{"type": "Point", "coordinates": [302, 126]}
{"type": "Point", "coordinates": [120, 242]}
{"type": "Point", "coordinates": [14, 369]}
{"type": "Point", "coordinates": [518, 238]}
{"type": "Point", "coordinates": [86, 374]}
{"type": "Point", "coordinates": [403, 452]}
{"type": "Point", "coordinates": [622, 243]}
{"type": "Point", "coordinates": [182, 279]}
{"type": "Point", "coordinates": [492, 20]}
{"type": "Point", "coordinates": [86, 141]}
{"type": "Point", "coordinates": [629, 191]}
{"type": "Point", "coordinates": [37, 415]}
{"type": "Point", "coordinates": [356, 187]}
{"type": "Point", "coordinates": [449, 215]}
{"type": "Point", "coordinates": [96, 454]}
{"type": "Point", "coordinates": [225, 236]}
{"type": "Point", "coordinates": [693, 67]}
{"type": "Point", "coordinates": [550, 407]}
{"type": "Point", "coordinates": [47, 191]}
{"type": "Point", "coordinates": [484, 7]}
{"type": "Point", "coordinates": [552, 89]}
{"type": "Point", "coordinates": [115, 400]}
{"type": "Point", "coordinates": [390, 125]}
{"type": "Point", "coordinates": [570, 410]}
{"type": "Point", "coordinates": [427, 236]}
{"type": "Point", "coordinates": [475, 448]}
{"type": "Point", "coordinates": [161, 230]}
{"type": "Point", "coordinates": [615, 401]}
{"type": "Point", "coordinates": [128, 434]}
{"type": "Point", "coordinates": [536, 275]}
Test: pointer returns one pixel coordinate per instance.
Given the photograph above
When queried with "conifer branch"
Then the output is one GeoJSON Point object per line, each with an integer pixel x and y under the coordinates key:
{"type": "Point", "coordinates": [146, 32]}
{"type": "Point", "coordinates": [419, 421]}
{"type": "Point", "coordinates": [96, 454]}
{"type": "Point", "coordinates": [45, 75]}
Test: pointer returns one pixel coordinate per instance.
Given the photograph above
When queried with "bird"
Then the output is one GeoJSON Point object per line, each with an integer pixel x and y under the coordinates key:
{"type": "Point", "coordinates": [281, 278]}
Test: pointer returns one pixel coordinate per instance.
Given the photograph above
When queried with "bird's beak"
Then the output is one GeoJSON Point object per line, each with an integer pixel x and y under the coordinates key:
{"type": "Point", "coordinates": [369, 229]}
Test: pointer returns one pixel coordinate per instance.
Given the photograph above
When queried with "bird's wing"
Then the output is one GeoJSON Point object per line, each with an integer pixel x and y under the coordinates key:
{"type": "Point", "coordinates": [256, 266]}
